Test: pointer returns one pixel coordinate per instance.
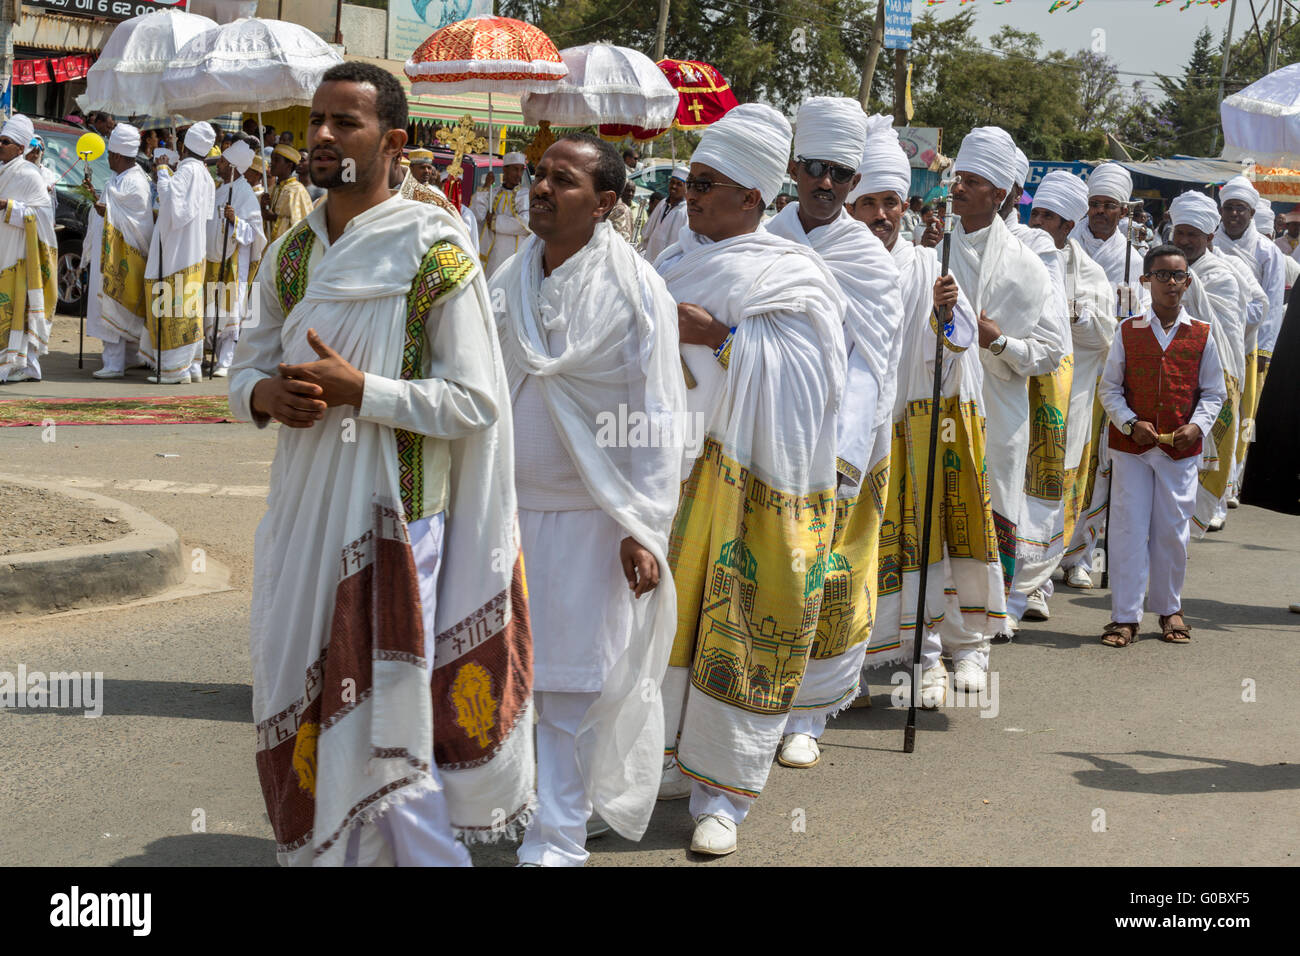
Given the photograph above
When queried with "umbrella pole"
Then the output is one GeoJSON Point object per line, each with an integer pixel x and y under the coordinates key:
{"type": "Point", "coordinates": [492, 151]}
{"type": "Point", "coordinates": [261, 140]}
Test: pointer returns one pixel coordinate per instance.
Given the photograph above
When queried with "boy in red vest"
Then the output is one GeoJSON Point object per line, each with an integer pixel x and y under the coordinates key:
{"type": "Point", "coordinates": [1162, 389]}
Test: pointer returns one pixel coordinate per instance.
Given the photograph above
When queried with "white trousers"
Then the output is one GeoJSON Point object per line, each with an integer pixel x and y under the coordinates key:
{"type": "Point", "coordinates": [810, 722]}
{"type": "Point", "coordinates": [558, 833]}
{"type": "Point", "coordinates": [417, 832]}
{"type": "Point", "coordinates": [706, 799]}
{"type": "Point", "coordinates": [1152, 500]}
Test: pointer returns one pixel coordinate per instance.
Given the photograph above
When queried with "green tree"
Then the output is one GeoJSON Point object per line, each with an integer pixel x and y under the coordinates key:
{"type": "Point", "coordinates": [1188, 116]}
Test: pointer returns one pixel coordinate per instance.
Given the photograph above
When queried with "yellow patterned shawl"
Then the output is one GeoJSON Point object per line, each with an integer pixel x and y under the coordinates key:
{"type": "Point", "coordinates": [27, 295]}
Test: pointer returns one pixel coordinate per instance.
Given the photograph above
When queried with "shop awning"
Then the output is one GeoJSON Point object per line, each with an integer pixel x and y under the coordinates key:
{"type": "Point", "coordinates": [1188, 170]}
{"type": "Point", "coordinates": [449, 109]}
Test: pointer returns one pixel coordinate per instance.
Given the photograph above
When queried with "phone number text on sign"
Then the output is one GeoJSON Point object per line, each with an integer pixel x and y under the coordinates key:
{"type": "Point", "coordinates": [108, 9]}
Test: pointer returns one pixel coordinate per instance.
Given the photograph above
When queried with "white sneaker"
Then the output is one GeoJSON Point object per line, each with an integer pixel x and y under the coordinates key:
{"type": "Point", "coordinates": [1036, 606]}
{"type": "Point", "coordinates": [934, 687]}
{"type": "Point", "coordinates": [17, 377]}
{"type": "Point", "coordinates": [1216, 524]}
{"type": "Point", "coordinates": [179, 380]}
{"type": "Point", "coordinates": [799, 751]}
{"type": "Point", "coordinates": [970, 677]}
{"type": "Point", "coordinates": [596, 827]}
{"type": "Point", "coordinates": [109, 373]}
{"type": "Point", "coordinates": [714, 835]}
{"type": "Point", "coordinates": [220, 372]}
{"type": "Point", "coordinates": [674, 784]}
{"type": "Point", "coordinates": [1233, 502]}
{"type": "Point", "coordinates": [1078, 578]}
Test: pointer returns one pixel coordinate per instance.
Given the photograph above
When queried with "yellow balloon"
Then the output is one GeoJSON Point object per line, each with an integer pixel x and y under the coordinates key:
{"type": "Point", "coordinates": [90, 147]}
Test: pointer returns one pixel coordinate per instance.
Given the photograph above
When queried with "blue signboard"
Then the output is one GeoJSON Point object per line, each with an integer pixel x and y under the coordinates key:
{"type": "Point", "coordinates": [1040, 168]}
{"type": "Point", "coordinates": [898, 24]}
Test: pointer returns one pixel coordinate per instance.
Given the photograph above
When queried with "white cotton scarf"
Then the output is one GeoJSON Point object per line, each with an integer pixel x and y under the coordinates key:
{"type": "Point", "coordinates": [869, 280]}
{"type": "Point", "coordinates": [609, 304]}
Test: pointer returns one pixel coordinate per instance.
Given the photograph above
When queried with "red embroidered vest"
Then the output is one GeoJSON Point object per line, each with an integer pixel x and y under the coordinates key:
{"type": "Point", "coordinates": [1161, 386]}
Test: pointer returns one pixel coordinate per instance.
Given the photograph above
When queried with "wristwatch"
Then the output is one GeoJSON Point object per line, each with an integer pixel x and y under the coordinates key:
{"type": "Point", "coordinates": [1127, 427]}
{"type": "Point", "coordinates": [998, 344]}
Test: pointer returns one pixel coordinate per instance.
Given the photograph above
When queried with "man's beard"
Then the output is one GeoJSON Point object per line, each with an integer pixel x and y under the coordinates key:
{"type": "Point", "coordinates": [363, 177]}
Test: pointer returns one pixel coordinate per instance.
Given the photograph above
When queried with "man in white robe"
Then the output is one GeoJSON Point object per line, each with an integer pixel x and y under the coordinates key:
{"type": "Point", "coordinates": [237, 220]}
{"type": "Point", "coordinates": [830, 138]}
{"type": "Point", "coordinates": [589, 337]}
{"type": "Point", "coordinates": [1110, 186]}
{"type": "Point", "coordinates": [1060, 203]}
{"type": "Point", "coordinates": [502, 214]}
{"type": "Point", "coordinates": [123, 222]}
{"type": "Point", "coordinates": [668, 219]}
{"type": "Point", "coordinates": [965, 601]}
{"type": "Point", "coordinates": [1020, 335]}
{"type": "Point", "coordinates": [1238, 236]}
{"type": "Point", "coordinates": [390, 648]}
{"type": "Point", "coordinates": [761, 322]}
{"type": "Point", "coordinates": [177, 265]}
{"type": "Point", "coordinates": [1040, 534]}
{"type": "Point", "coordinates": [28, 249]}
{"type": "Point", "coordinates": [1223, 293]}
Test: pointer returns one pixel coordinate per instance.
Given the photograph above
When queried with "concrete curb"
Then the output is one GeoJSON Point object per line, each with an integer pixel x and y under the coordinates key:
{"type": "Point", "coordinates": [144, 561]}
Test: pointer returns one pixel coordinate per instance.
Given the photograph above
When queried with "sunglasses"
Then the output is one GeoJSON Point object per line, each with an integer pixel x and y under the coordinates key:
{"type": "Point", "coordinates": [702, 186]}
{"type": "Point", "coordinates": [1167, 275]}
{"type": "Point", "coordinates": [817, 168]}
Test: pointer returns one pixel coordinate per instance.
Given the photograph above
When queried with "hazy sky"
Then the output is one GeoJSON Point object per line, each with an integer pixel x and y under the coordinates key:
{"type": "Point", "coordinates": [1139, 36]}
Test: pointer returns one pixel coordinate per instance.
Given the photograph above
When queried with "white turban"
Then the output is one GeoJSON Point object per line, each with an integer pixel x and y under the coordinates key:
{"type": "Point", "coordinates": [200, 139]}
{"type": "Point", "coordinates": [1196, 210]}
{"type": "Point", "coordinates": [990, 152]}
{"type": "Point", "coordinates": [884, 167]}
{"type": "Point", "coordinates": [515, 159]}
{"type": "Point", "coordinates": [1112, 181]}
{"type": "Point", "coordinates": [1064, 194]}
{"type": "Point", "coordinates": [1265, 220]}
{"type": "Point", "coordinates": [240, 155]}
{"type": "Point", "coordinates": [124, 140]}
{"type": "Point", "coordinates": [681, 172]}
{"type": "Point", "coordinates": [831, 128]}
{"type": "Point", "coordinates": [18, 129]}
{"type": "Point", "coordinates": [1239, 187]}
{"type": "Point", "coordinates": [750, 145]}
{"type": "Point", "coordinates": [1022, 167]}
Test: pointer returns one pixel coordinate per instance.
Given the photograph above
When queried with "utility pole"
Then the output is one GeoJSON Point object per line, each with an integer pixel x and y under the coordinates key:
{"type": "Point", "coordinates": [662, 34]}
{"type": "Point", "coordinates": [1227, 57]}
{"type": "Point", "coordinates": [1276, 40]}
{"type": "Point", "coordinates": [900, 88]}
{"type": "Point", "coordinates": [7, 9]}
{"type": "Point", "coordinates": [873, 54]}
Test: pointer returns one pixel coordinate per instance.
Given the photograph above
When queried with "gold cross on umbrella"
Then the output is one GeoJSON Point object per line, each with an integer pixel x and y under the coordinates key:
{"type": "Point", "coordinates": [696, 108]}
{"type": "Point", "coordinates": [461, 139]}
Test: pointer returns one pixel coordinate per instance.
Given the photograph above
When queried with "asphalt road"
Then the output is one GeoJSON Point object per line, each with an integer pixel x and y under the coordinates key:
{"type": "Point", "coordinates": [1155, 754]}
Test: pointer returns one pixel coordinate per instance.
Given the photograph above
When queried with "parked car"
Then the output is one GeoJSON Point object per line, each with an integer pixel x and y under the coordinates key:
{"type": "Point", "coordinates": [654, 177]}
{"type": "Point", "coordinates": [72, 207]}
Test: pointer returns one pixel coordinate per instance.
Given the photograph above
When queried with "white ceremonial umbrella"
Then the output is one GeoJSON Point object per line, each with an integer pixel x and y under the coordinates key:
{"type": "Point", "coordinates": [1262, 121]}
{"type": "Point", "coordinates": [267, 64]}
{"type": "Point", "coordinates": [126, 80]}
{"type": "Point", "coordinates": [606, 85]}
{"type": "Point", "coordinates": [270, 64]}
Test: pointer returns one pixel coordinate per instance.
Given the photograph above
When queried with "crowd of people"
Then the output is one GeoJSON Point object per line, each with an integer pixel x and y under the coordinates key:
{"type": "Point", "coordinates": [658, 488]}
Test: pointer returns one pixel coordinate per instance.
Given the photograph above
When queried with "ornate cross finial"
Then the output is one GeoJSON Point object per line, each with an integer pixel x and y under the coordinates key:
{"type": "Point", "coordinates": [461, 139]}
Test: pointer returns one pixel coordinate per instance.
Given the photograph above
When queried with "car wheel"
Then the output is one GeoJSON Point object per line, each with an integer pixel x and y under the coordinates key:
{"type": "Point", "coordinates": [68, 279]}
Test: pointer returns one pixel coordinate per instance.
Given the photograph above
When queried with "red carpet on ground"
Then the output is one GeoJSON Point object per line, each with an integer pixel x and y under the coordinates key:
{"type": "Point", "coordinates": [179, 410]}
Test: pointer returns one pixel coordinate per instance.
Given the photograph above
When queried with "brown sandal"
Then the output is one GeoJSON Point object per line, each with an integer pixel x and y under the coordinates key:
{"type": "Point", "coordinates": [1119, 635]}
{"type": "Point", "coordinates": [1174, 633]}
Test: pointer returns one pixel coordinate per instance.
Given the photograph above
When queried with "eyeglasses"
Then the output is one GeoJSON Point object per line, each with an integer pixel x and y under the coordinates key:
{"type": "Point", "coordinates": [1166, 275]}
{"type": "Point", "coordinates": [702, 186]}
{"type": "Point", "coordinates": [817, 168]}
{"type": "Point", "coordinates": [1104, 206]}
